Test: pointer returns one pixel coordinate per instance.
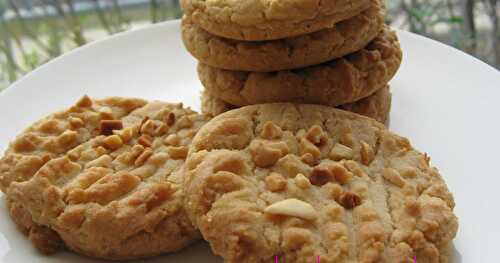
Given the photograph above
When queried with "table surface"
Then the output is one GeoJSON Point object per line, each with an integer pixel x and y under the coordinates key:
{"type": "Point", "coordinates": [443, 100]}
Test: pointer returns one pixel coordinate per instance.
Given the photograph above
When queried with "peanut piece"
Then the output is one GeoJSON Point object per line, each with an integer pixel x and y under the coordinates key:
{"type": "Point", "coordinates": [393, 177]}
{"type": "Point", "coordinates": [170, 119]}
{"type": "Point", "coordinates": [321, 175]}
{"type": "Point", "coordinates": [113, 142]}
{"type": "Point", "coordinates": [172, 139]}
{"type": "Point", "coordinates": [349, 200]}
{"type": "Point", "coordinates": [106, 113]}
{"type": "Point", "coordinates": [339, 152]}
{"type": "Point", "coordinates": [275, 182]}
{"type": "Point", "coordinates": [103, 161]}
{"type": "Point", "coordinates": [267, 154]}
{"type": "Point", "coordinates": [145, 140]}
{"type": "Point", "coordinates": [271, 131]}
{"type": "Point", "coordinates": [126, 134]}
{"type": "Point", "coordinates": [108, 126]}
{"type": "Point", "coordinates": [75, 122]}
{"type": "Point", "coordinates": [307, 147]}
{"type": "Point", "coordinates": [316, 135]}
{"type": "Point", "coordinates": [143, 157]}
{"type": "Point", "coordinates": [292, 207]}
{"type": "Point", "coordinates": [367, 153]}
{"type": "Point", "coordinates": [177, 152]}
{"type": "Point", "coordinates": [302, 182]}
{"type": "Point", "coordinates": [308, 159]}
{"type": "Point", "coordinates": [84, 102]}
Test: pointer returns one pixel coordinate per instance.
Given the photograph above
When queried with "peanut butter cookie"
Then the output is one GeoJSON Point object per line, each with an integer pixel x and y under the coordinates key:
{"type": "Point", "coordinates": [266, 20]}
{"type": "Point", "coordinates": [333, 83]}
{"type": "Point", "coordinates": [302, 182]}
{"type": "Point", "coordinates": [345, 37]}
{"type": "Point", "coordinates": [376, 106]}
{"type": "Point", "coordinates": [117, 195]}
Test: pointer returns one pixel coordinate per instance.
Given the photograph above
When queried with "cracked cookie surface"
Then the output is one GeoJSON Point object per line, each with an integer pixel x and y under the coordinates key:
{"type": "Point", "coordinates": [376, 106]}
{"type": "Point", "coordinates": [268, 19]}
{"type": "Point", "coordinates": [343, 38]}
{"type": "Point", "coordinates": [116, 195]}
{"type": "Point", "coordinates": [333, 83]}
{"type": "Point", "coordinates": [301, 181]}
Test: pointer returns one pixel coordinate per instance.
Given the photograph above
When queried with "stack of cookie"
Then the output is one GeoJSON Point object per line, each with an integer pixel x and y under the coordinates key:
{"type": "Point", "coordinates": [335, 53]}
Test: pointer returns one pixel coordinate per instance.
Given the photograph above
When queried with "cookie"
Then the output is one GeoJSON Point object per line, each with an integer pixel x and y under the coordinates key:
{"type": "Point", "coordinates": [49, 138]}
{"type": "Point", "coordinates": [376, 106]}
{"type": "Point", "coordinates": [118, 195]}
{"type": "Point", "coordinates": [302, 183]}
{"type": "Point", "coordinates": [58, 133]}
{"type": "Point", "coordinates": [266, 20]}
{"type": "Point", "coordinates": [333, 83]}
{"type": "Point", "coordinates": [262, 56]}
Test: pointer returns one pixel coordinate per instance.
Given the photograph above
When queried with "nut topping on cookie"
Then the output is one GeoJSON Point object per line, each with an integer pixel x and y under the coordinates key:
{"type": "Point", "coordinates": [271, 131]}
{"type": "Point", "coordinates": [329, 172]}
{"type": "Point", "coordinates": [316, 135]}
{"type": "Point", "coordinates": [292, 207]}
{"type": "Point", "coordinates": [84, 102]}
{"type": "Point", "coordinates": [393, 177]}
{"type": "Point", "coordinates": [349, 200]}
{"type": "Point", "coordinates": [108, 126]}
{"type": "Point", "coordinates": [113, 142]}
{"type": "Point", "coordinates": [177, 152]}
{"type": "Point", "coordinates": [367, 153]}
{"type": "Point", "coordinates": [321, 175]}
{"type": "Point", "coordinates": [340, 152]}
{"type": "Point", "coordinates": [145, 140]}
{"type": "Point", "coordinates": [275, 182]}
{"type": "Point", "coordinates": [143, 157]}
{"type": "Point", "coordinates": [170, 119]}
{"type": "Point", "coordinates": [126, 134]}
{"type": "Point", "coordinates": [267, 154]}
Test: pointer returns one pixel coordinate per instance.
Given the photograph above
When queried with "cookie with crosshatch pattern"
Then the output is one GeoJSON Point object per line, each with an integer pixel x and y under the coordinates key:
{"type": "Point", "coordinates": [300, 181]}
{"type": "Point", "coordinates": [117, 193]}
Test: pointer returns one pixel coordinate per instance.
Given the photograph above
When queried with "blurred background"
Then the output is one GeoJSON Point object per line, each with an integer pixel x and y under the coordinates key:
{"type": "Point", "coordinates": [33, 32]}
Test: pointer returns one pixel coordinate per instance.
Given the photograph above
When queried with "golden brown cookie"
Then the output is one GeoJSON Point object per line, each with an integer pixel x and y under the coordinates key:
{"type": "Point", "coordinates": [58, 133]}
{"type": "Point", "coordinates": [266, 20]}
{"type": "Point", "coordinates": [117, 195]}
{"type": "Point", "coordinates": [262, 56]}
{"type": "Point", "coordinates": [376, 106]}
{"type": "Point", "coordinates": [298, 182]}
{"type": "Point", "coordinates": [333, 83]}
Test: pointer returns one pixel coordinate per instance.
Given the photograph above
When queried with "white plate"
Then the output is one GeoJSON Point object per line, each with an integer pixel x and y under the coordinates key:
{"type": "Point", "coordinates": [443, 100]}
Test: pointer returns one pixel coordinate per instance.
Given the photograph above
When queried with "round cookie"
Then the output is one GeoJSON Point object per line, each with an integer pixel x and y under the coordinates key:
{"type": "Point", "coordinates": [118, 195]}
{"type": "Point", "coordinates": [343, 38]}
{"type": "Point", "coordinates": [253, 20]}
{"type": "Point", "coordinates": [333, 83]}
{"type": "Point", "coordinates": [376, 106]}
{"type": "Point", "coordinates": [49, 138]}
{"type": "Point", "coordinates": [58, 133]}
{"type": "Point", "coordinates": [306, 182]}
